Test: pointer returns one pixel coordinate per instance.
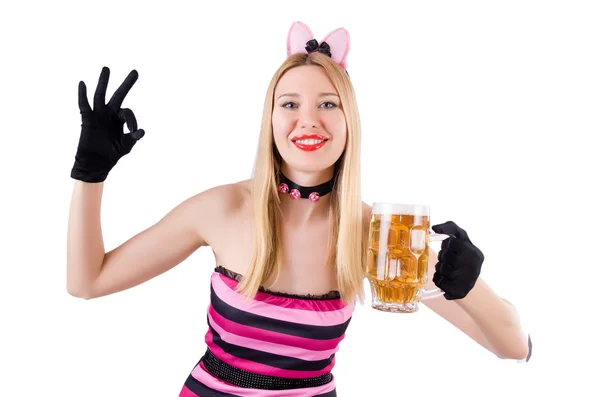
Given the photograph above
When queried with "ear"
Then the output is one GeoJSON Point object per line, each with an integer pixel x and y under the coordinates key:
{"type": "Point", "coordinates": [339, 45]}
{"type": "Point", "coordinates": [298, 35]}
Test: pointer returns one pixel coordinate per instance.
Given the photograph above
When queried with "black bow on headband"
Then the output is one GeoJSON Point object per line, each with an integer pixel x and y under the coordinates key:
{"type": "Point", "coordinates": [313, 45]}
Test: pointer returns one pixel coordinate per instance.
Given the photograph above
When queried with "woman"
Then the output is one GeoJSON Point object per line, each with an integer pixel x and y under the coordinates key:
{"type": "Point", "coordinates": [289, 243]}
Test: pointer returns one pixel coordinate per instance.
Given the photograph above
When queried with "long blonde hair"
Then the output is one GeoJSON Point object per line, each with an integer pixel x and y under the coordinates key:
{"type": "Point", "coordinates": [346, 250]}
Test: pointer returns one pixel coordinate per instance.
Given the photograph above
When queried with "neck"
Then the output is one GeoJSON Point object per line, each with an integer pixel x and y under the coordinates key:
{"type": "Point", "coordinates": [302, 210]}
{"type": "Point", "coordinates": [305, 178]}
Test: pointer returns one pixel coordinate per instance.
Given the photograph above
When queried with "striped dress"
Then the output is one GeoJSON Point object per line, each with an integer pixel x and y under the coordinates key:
{"type": "Point", "coordinates": [273, 345]}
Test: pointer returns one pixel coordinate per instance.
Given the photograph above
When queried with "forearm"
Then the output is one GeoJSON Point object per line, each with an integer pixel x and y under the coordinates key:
{"type": "Point", "coordinates": [85, 246]}
{"type": "Point", "coordinates": [497, 319]}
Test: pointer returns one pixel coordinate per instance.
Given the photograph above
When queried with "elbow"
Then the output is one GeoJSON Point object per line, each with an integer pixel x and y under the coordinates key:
{"type": "Point", "coordinates": [79, 293]}
{"type": "Point", "coordinates": [515, 354]}
{"type": "Point", "coordinates": [78, 288]}
{"type": "Point", "coordinates": [519, 351]}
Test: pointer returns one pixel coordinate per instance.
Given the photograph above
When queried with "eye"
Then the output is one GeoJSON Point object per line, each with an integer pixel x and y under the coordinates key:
{"type": "Point", "coordinates": [289, 105]}
{"type": "Point", "coordinates": [329, 105]}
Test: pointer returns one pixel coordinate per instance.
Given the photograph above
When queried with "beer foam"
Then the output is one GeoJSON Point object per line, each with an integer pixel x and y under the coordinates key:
{"type": "Point", "coordinates": [379, 208]}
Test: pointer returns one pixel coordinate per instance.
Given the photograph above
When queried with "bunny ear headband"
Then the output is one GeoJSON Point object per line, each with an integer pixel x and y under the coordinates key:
{"type": "Point", "coordinates": [335, 45]}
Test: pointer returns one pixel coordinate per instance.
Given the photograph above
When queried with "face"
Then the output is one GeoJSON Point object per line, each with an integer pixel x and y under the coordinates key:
{"type": "Point", "coordinates": [309, 126]}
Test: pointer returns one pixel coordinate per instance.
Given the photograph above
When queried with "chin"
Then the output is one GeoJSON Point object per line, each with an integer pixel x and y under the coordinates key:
{"type": "Point", "coordinates": [310, 166]}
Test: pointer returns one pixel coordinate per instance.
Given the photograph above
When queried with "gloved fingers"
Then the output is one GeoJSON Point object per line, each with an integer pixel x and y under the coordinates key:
{"type": "Point", "coordinates": [448, 256]}
{"type": "Point", "coordinates": [447, 270]}
{"type": "Point", "coordinates": [452, 229]}
{"type": "Point", "coordinates": [127, 116]}
{"type": "Point", "coordinates": [137, 135]}
{"type": "Point", "coordinates": [117, 99]}
{"type": "Point", "coordinates": [100, 95]}
{"type": "Point", "coordinates": [439, 278]}
{"type": "Point", "coordinates": [130, 139]}
{"type": "Point", "coordinates": [452, 244]}
{"type": "Point", "coordinates": [84, 105]}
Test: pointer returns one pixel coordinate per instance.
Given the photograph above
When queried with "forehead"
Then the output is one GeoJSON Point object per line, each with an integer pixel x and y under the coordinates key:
{"type": "Point", "coordinates": [304, 79]}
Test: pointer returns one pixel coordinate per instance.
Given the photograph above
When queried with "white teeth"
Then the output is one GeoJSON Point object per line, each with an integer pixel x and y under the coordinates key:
{"type": "Point", "coordinates": [309, 141]}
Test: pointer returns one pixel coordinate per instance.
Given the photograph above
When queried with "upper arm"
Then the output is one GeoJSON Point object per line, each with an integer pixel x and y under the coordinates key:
{"type": "Point", "coordinates": [366, 223]}
{"type": "Point", "coordinates": [162, 246]}
{"type": "Point", "coordinates": [366, 218]}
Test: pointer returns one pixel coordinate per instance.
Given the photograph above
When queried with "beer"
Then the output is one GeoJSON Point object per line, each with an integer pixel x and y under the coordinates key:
{"type": "Point", "coordinates": [397, 256]}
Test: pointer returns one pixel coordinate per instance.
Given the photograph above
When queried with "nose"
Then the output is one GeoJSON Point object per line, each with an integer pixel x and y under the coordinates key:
{"type": "Point", "coordinates": [309, 119]}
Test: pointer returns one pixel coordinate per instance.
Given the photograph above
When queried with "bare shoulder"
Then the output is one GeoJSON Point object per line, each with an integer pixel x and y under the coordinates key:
{"type": "Point", "coordinates": [225, 197]}
{"type": "Point", "coordinates": [217, 205]}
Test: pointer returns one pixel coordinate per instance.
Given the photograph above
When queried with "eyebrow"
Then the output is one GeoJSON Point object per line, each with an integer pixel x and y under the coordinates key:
{"type": "Point", "coordinates": [297, 95]}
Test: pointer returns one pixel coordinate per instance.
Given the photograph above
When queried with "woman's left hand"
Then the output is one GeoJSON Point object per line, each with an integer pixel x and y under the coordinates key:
{"type": "Point", "coordinates": [459, 262]}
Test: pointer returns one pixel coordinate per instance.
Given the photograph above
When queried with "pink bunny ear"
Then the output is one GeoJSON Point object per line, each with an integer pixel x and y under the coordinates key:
{"type": "Point", "coordinates": [339, 45]}
{"type": "Point", "coordinates": [298, 35]}
{"type": "Point", "coordinates": [338, 42]}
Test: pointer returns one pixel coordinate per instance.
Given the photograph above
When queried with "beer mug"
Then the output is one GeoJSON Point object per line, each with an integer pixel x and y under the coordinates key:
{"type": "Point", "coordinates": [398, 255]}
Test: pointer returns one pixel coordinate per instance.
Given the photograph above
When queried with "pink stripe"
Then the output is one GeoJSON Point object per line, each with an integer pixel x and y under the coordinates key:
{"type": "Point", "coordinates": [270, 347]}
{"type": "Point", "coordinates": [322, 305]}
{"type": "Point", "coordinates": [210, 381]}
{"type": "Point", "coordinates": [312, 316]}
{"type": "Point", "coordinates": [185, 392]}
{"type": "Point", "coordinates": [269, 336]}
{"type": "Point", "coordinates": [259, 368]}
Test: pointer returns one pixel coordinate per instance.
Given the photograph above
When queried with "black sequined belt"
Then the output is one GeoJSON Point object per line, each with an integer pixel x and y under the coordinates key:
{"type": "Point", "coordinates": [243, 378]}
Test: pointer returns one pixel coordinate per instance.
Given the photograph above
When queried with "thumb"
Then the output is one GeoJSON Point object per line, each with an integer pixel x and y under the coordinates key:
{"type": "Point", "coordinates": [450, 228]}
{"type": "Point", "coordinates": [130, 139]}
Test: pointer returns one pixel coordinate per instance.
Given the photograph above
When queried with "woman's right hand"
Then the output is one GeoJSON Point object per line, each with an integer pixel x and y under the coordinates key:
{"type": "Point", "coordinates": [102, 141]}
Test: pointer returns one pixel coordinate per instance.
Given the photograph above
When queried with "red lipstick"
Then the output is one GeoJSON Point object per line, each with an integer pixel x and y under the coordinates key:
{"type": "Point", "coordinates": [309, 147]}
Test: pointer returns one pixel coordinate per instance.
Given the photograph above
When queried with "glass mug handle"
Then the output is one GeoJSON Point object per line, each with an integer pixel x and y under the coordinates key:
{"type": "Point", "coordinates": [436, 292]}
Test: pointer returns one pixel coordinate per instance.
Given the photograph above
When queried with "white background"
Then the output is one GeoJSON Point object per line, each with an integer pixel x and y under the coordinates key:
{"type": "Point", "coordinates": [487, 111]}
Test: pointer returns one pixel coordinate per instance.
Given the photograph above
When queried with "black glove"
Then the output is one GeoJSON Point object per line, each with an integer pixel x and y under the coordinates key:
{"type": "Point", "coordinates": [459, 262]}
{"type": "Point", "coordinates": [102, 141]}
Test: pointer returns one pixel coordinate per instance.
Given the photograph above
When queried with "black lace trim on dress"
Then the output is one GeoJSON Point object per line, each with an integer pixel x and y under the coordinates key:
{"type": "Point", "coordinates": [238, 277]}
{"type": "Point", "coordinates": [247, 379]}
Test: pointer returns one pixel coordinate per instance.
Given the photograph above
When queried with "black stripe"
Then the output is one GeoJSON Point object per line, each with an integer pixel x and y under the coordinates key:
{"type": "Point", "coordinates": [271, 359]}
{"type": "Point", "coordinates": [201, 390]}
{"type": "Point", "coordinates": [285, 327]}
{"type": "Point", "coordinates": [530, 345]}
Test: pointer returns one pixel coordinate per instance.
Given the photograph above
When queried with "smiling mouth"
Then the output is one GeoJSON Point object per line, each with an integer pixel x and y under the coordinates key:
{"type": "Point", "coordinates": [311, 141]}
{"type": "Point", "coordinates": [309, 145]}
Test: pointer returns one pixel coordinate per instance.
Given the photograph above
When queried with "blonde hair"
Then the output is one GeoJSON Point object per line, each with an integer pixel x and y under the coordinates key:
{"type": "Point", "coordinates": [346, 250]}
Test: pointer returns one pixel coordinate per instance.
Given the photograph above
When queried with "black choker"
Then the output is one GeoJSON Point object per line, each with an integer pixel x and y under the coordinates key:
{"type": "Point", "coordinates": [313, 193]}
